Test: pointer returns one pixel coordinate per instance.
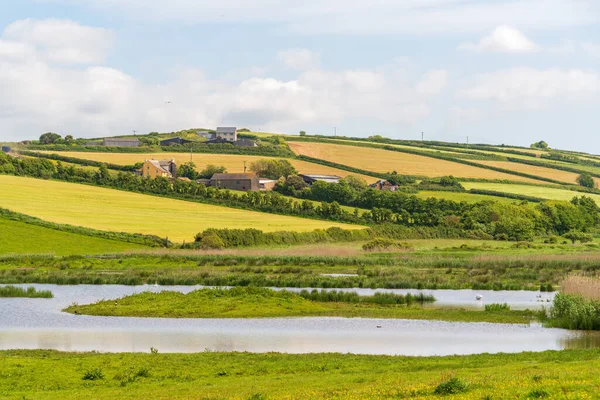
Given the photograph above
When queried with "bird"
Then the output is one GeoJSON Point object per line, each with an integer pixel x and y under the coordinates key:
{"type": "Point", "coordinates": [479, 297]}
{"type": "Point", "coordinates": [379, 326]}
{"type": "Point", "coordinates": [168, 102]}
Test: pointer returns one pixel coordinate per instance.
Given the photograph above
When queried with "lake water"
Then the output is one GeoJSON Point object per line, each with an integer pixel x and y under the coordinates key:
{"type": "Point", "coordinates": [40, 324]}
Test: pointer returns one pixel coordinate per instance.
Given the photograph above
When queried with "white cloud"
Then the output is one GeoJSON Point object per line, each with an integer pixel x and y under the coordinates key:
{"type": "Point", "coordinates": [299, 59]}
{"type": "Point", "coordinates": [504, 39]}
{"type": "Point", "coordinates": [529, 88]}
{"type": "Point", "coordinates": [59, 41]}
{"type": "Point", "coordinates": [363, 16]}
{"type": "Point", "coordinates": [40, 94]}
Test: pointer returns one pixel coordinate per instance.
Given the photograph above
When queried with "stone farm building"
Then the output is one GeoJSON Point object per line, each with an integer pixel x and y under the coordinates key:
{"type": "Point", "coordinates": [120, 142]}
{"type": "Point", "coordinates": [174, 141]}
{"type": "Point", "coordinates": [155, 168]}
{"type": "Point", "coordinates": [243, 182]}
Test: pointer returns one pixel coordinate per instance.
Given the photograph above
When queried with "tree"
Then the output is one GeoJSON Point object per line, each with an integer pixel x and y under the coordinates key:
{"type": "Point", "coordinates": [210, 170]}
{"type": "Point", "coordinates": [540, 145]}
{"type": "Point", "coordinates": [49, 138]}
{"type": "Point", "coordinates": [273, 169]}
{"type": "Point", "coordinates": [574, 236]}
{"type": "Point", "coordinates": [69, 139]}
{"type": "Point", "coordinates": [188, 170]}
{"type": "Point", "coordinates": [302, 133]}
{"type": "Point", "coordinates": [355, 183]}
{"type": "Point", "coordinates": [586, 180]}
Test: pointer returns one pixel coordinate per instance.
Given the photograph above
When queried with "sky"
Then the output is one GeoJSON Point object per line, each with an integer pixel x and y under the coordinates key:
{"type": "Point", "coordinates": [503, 72]}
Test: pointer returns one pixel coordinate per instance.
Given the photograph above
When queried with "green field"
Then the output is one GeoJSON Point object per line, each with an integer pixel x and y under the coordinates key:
{"type": "Point", "coordinates": [114, 210]}
{"type": "Point", "coordinates": [23, 238]}
{"type": "Point", "coordinates": [535, 191]}
{"type": "Point", "coordinates": [461, 196]}
{"type": "Point", "coordinates": [50, 375]}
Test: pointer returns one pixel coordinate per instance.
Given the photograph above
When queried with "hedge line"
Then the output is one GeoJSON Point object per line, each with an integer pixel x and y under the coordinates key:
{"type": "Point", "coordinates": [552, 166]}
{"type": "Point", "coordinates": [507, 195]}
{"type": "Point", "coordinates": [146, 240]}
{"type": "Point", "coordinates": [79, 161]}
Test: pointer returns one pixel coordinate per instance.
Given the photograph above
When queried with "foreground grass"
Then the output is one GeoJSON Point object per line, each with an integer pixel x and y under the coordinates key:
{"type": "Point", "coordinates": [54, 375]}
{"type": "Point", "coordinates": [266, 303]}
{"type": "Point", "coordinates": [31, 292]}
{"type": "Point", "coordinates": [23, 238]}
{"type": "Point", "coordinates": [114, 210]}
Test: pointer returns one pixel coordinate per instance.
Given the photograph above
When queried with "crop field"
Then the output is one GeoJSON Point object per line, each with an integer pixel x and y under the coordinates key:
{"type": "Point", "coordinates": [467, 197]}
{"type": "Point", "coordinates": [113, 210]}
{"type": "Point", "coordinates": [22, 238]}
{"type": "Point", "coordinates": [535, 191]}
{"type": "Point", "coordinates": [563, 176]}
{"type": "Point", "coordinates": [378, 160]}
{"type": "Point", "coordinates": [233, 163]}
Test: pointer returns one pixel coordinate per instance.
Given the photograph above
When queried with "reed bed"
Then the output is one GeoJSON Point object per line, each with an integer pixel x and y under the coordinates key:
{"type": "Point", "coordinates": [31, 292]}
{"type": "Point", "coordinates": [584, 286]}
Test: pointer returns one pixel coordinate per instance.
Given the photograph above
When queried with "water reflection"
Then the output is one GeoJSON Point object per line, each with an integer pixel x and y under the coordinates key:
{"type": "Point", "coordinates": [40, 324]}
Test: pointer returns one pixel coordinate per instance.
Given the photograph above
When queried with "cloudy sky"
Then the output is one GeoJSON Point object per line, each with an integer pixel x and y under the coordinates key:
{"type": "Point", "coordinates": [498, 71]}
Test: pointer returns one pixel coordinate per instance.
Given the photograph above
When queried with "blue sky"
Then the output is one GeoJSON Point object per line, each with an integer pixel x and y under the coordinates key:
{"type": "Point", "coordinates": [509, 72]}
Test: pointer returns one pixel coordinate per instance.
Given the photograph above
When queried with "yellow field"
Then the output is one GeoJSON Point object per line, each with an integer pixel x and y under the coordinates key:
{"type": "Point", "coordinates": [114, 210]}
{"type": "Point", "coordinates": [233, 163]}
{"type": "Point", "coordinates": [562, 176]}
{"type": "Point", "coordinates": [378, 160]}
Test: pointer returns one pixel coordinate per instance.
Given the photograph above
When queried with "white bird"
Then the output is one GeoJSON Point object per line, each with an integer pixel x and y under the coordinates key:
{"type": "Point", "coordinates": [478, 297]}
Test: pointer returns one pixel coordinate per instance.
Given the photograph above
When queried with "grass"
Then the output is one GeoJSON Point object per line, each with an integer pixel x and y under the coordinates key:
{"type": "Point", "coordinates": [252, 302]}
{"type": "Point", "coordinates": [31, 292]}
{"type": "Point", "coordinates": [460, 196]}
{"type": "Point", "coordinates": [535, 191]}
{"type": "Point", "coordinates": [50, 375]}
{"type": "Point", "coordinates": [113, 210]}
{"type": "Point", "coordinates": [379, 160]}
{"type": "Point", "coordinates": [23, 238]}
{"type": "Point", "coordinates": [233, 163]}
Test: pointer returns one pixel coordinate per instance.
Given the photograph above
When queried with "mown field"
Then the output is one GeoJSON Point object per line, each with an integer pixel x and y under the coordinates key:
{"type": "Point", "coordinates": [46, 375]}
{"type": "Point", "coordinates": [114, 210]}
{"type": "Point", "coordinates": [22, 238]}
{"type": "Point", "coordinates": [233, 163]}
{"type": "Point", "coordinates": [378, 160]}
{"type": "Point", "coordinates": [558, 175]}
{"type": "Point", "coordinates": [535, 191]}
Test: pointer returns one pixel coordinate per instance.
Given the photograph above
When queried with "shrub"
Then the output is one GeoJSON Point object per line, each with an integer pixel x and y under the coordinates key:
{"type": "Point", "coordinates": [212, 242]}
{"type": "Point", "coordinates": [93, 375]}
{"type": "Point", "coordinates": [452, 386]}
{"type": "Point", "coordinates": [586, 180]}
{"type": "Point", "coordinates": [385, 244]}
{"type": "Point", "coordinates": [575, 236]}
{"type": "Point", "coordinates": [538, 394]}
{"type": "Point", "coordinates": [495, 307]}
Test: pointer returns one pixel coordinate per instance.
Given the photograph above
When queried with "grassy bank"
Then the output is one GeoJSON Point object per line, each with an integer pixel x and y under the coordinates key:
{"type": "Point", "coordinates": [266, 303]}
{"type": "Point", "coordinates": [49, 375]}
{"type": "Point", "coordinates": [31, 292]}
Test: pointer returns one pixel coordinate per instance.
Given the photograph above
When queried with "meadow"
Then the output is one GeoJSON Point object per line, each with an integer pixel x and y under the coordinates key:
{"type": "Point", "coordinates": [233, 163]}
{"type": "Point", "coordinates": [50, 375]}
{"type": "Point", "coordinates": [114, 210]}
{"type": "Point", "coordinates": [378, 160]}
{"type": "Point", "coordinates": [543, 192]}
{"type": "Point", "coordinates": [23, 238]}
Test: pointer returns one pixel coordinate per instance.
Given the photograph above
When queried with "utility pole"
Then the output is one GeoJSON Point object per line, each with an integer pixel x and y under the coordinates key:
{"type": "Point", "coordinates": [244, 166]}
{"type": "Point", "coordinates": [422, 137]}
{"type": "Point", "coordinates": [191, 149]}
{"type": "Point", "coordinates": [134, 132]}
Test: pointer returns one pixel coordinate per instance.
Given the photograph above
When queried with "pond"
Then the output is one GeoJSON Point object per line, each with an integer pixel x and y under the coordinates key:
{"type": "Point", "coordinates": [40, 324]}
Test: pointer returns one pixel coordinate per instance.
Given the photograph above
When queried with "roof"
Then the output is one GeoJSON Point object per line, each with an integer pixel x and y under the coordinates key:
{"type": "Point", "coordinates": [226, 129]}
{"type": "Point", "coordinates": [321, 176]}
{"type": "Point", "coordinates": [120, 140]}
{"type": "Point", "coordinates": [163, 165]}
{"type": "Point", "coordinates": [232, 177]}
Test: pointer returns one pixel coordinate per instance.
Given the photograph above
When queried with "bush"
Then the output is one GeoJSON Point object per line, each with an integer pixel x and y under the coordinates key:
{"type": "Point", "coordinates": [495, 307]}
{"type": "Point", "coordinates": [452, 386]}
{"type": "Point", "coordinates": [212, 242]}
{"type": "Point", "coordinates": [385, 244]}
{"type": "Point", "coordinates": [93, 375]}
{"type": "Point", "coordinates": [586, 180]}
{"type": "Point", "coordinates": [575, 236]}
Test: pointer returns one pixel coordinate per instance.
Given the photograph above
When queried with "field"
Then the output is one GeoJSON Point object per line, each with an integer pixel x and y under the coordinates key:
{"type": "Point", "coordinates": [113, 210]}
{"type": "Point", "coordinates": [535, 191]}
{"type": "Point", "coordinates": [31, 239]}
{"type": "Point", "coordinates": [233, 163]}
{"type": "Point", "coordinates": [47, 375]}
{"type": "Point", "coordinates": [459, 196]}
{"type": "Point", "coordinates": [558, 175]}
{"type": "Point", "coordinates": [383, 161]}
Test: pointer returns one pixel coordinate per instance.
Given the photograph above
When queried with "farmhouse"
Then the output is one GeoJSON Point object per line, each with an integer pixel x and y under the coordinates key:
{"type": "Point", "coordinates": [227, 133]}
{"type": "Point", "coordinates": [120, 142]}
{"type": "Point", "coordinates": [243, 182]}
{"type": "Point", "coordinates": [174, 141]}
{"type": "Point", "coordinates": [310, 179]}
{"type": "Point", "coordinates": [155, 168]}
{"type": "Point", "coordinates": [384, 185]}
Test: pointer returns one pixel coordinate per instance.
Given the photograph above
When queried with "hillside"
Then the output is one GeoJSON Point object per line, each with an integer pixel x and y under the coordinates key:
{"type": "Point", "coordinates": [114, 210]}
